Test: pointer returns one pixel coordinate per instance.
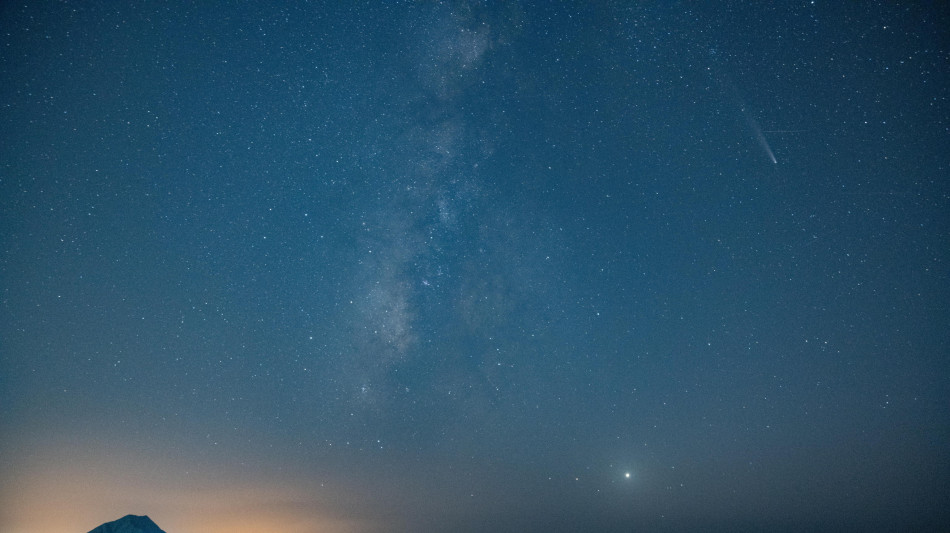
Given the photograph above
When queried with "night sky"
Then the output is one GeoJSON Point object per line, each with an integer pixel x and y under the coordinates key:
{"type": "Point", "coordinates": [459, 267]}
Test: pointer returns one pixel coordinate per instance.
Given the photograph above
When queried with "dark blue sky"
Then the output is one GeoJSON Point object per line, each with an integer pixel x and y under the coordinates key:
{"type": "Point", "coordinates": [475, 267]}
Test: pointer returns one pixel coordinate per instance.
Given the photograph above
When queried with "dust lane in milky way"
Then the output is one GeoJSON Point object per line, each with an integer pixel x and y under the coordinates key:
{"type": "Point", "coordinates": [473, 267]}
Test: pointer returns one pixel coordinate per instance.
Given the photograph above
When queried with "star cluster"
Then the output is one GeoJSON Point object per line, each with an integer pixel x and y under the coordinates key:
{"type": "Point", "coordinates": [474, 267]}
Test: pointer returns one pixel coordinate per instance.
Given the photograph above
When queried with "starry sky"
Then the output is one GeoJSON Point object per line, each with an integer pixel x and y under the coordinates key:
{"type": "Point", "coordinates": [464, 266]}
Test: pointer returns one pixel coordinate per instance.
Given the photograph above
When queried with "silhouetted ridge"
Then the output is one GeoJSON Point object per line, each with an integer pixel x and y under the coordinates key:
{"type": "Point", "coordinates": [129, 524]}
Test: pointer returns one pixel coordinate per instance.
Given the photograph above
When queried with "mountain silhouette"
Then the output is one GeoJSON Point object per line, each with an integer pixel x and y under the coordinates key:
{"type": "Point", "coordinates": [129, 524]}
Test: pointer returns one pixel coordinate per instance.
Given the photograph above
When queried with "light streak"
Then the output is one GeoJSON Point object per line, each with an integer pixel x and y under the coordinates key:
{"type": "Point", "coordinates": [759, 136]}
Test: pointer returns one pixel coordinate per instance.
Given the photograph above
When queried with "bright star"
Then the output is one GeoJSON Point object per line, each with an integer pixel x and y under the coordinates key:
{"type": "Point", "coordinates": [627, 475]}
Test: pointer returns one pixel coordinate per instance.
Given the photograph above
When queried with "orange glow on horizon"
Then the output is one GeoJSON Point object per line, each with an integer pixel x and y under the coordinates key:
{"type": "Point", "coordinates": [50, 495]}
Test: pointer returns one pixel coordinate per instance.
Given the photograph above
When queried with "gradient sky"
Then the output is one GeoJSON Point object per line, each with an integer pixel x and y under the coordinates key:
{"type": "Point", "coordinates": [449, 267]}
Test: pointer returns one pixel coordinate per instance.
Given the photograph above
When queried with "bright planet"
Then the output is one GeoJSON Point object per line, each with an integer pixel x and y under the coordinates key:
{"type": "Point", "coordinates": [450, 267]}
